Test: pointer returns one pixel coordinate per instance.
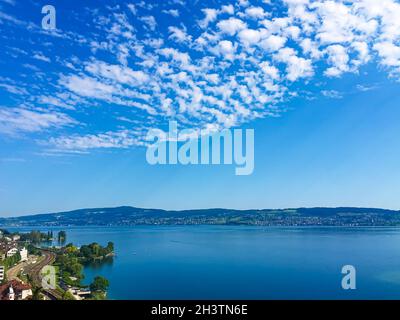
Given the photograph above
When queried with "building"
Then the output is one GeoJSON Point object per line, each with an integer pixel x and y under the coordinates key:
{"type": "Point", "coordinates": [24, 254]}
{"type": "Point", "coordinates": [79, 294]}
{"type": "Point", "coordinates": [1, 273]}
{"type": "Point", "coordinates": [11, 252]}
{"type": "Point", "coordinates": [16, 237]}
{"type": "Point", "coordinates": [15, 290]}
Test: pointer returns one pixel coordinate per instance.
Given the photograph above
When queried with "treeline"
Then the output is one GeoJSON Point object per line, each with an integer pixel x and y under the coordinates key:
{"type": "Point", "coordinates": [37, 237]}
{"type": "Point", "coordinates": [94, 251]}
{"type": "Point", "coordinates": [70, 260]}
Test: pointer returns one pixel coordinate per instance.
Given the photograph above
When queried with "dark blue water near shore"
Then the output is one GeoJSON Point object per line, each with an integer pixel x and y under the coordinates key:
{"type": "Point", "coordinates": [223, 262]}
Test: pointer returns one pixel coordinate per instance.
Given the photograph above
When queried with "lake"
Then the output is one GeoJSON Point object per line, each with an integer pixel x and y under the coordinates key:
{"type": "Point", "coordinates": [238, 262]}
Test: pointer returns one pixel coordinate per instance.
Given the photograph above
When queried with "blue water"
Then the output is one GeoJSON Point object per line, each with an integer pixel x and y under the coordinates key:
{"type": "Point", "coordinates": [223, 262]}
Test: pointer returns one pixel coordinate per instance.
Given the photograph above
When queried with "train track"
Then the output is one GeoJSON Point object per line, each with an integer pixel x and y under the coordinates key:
{"type": "Point", "coordinates": [34, 272]}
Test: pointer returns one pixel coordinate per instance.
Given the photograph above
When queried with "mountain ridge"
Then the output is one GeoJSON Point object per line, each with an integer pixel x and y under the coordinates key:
{"type": "Point", "coordinates": [129, 215]}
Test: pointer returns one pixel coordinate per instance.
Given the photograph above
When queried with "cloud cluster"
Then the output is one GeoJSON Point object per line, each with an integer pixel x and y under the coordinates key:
{"type": "Point", "coordinates": [236, 62]}
{"type": "Point", "coordinates": [14, 121]}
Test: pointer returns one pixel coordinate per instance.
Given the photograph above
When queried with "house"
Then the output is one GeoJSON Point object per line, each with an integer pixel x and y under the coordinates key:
{"type": "Point", "coordinates": [15, 290]}
{"type": "Point", "coordinates": [16, 237]}
{"type": "Point", "coordinates": [11, 252]}
{"type": "Point", "coordinates": [24, 254]}
{"type": "Point", "coordinates": [1, 273]}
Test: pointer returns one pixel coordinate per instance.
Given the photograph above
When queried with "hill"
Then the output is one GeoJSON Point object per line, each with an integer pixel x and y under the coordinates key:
{"type": "Point", "coordinates": [343, 216]}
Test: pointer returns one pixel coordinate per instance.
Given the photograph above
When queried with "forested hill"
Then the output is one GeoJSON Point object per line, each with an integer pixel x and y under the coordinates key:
{"type": "Point", "coordinates": [267, 217]}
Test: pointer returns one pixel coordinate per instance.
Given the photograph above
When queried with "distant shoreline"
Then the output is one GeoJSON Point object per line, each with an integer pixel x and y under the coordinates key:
{"type": "Point", "coordinates": [131, 216]}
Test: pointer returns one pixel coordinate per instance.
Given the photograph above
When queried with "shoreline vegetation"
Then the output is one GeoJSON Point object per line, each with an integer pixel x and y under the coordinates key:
{"type": "Point", "coordinates": [68, 261]}
{"type": "Point", "coordinates": [130, 216]}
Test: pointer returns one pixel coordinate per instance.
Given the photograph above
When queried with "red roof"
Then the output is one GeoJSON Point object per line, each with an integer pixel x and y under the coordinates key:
{"type": "Point", "coordinates": [18, 287]}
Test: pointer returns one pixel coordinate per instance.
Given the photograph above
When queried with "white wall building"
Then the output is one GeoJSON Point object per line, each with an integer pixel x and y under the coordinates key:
{"type": "Point", "coordinates": [24, 254]}
{"type": "Point", "coordinates": [25, 293]}
{"type": "Point", "coordinates": [1, 273]}
{"type": "Point", "coordinates": [11, 252]}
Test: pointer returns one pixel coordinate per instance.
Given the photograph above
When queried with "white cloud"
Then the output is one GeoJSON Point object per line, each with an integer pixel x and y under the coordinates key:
{"type": "Point", "coordinates": [172, 12]}
{"type": "Point", "coordinates": [210, 16]}
{"type": "Point", "coordinates": [296, 67]}
{"type": "Point", "coordinates": [179, 34]}
{"type": "Point", "coordinates": [226, 49]}
{"type": "Point", "coordinates": [255, 13]}
{"type": "Point", "coordinates": [310, 48]}
{"type": "Point", "coordinates": [13, 89]}
{"type": "Point", "coordinates": [338, 58]}
{"type": "Point", "coordinates": [229, 9]}
{"type": "Point", "coordinates": [150, 21]}
{"type": "Point", "coordinates": [87, 87]}
{"type": "Point", "coordinates": [333, 94]}
{"type": "Point", "coordinates": [21, 120]}
{"type": "Point", "coordinates": [40, 56]}
{"type": "Point", "coordinates": [231, 26]}
{"type": "Point", "coordinates": [249, 37]}
{"type": "Point", "coordinates": [273, 43]}
{"type": "Point", "coordinates": [271, 71]}
{"type": "Point", "coordinates": [365, 88]}
{"type": "Point", "coordinates": [132, 8]}
{"type": "Point", "coordinates": [238, 66]}
{"type": "Point", "coordinates": [389, 53]}
{"type": "Point", "coordinates": [117, 73]}
{"type": "Point", "coordinates": [119, 139]}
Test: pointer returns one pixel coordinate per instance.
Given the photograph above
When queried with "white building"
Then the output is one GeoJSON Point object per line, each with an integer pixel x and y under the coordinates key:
{"type": "Point", "coordinates": [24, 254]}
{"type": "Point", "coordinates": [1, 273]}
{"type": "Point", "coordinates": [16, 237]}
{"type": "Point", "coordinates": [11, 293]}
{"type": "Point", "coordinates": [15, 290]}
{"type": "Point", "coordinates": [11, 252]}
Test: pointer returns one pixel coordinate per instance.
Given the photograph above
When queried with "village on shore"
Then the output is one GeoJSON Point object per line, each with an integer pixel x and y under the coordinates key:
{"type": "Point", "coordinates": [33, 268]}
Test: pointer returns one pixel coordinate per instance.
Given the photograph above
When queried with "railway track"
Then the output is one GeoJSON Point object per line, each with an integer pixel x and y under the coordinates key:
{"type": "Point", "coordinates": [34, 272]}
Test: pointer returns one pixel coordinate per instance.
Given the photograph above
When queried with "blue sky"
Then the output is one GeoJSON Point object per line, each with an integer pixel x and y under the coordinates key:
{"type": "Point", "coordinates": [316, 80]}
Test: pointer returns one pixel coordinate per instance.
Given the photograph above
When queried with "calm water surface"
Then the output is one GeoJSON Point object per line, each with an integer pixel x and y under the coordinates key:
{"type": "Point", "coordinates": [223, 262]}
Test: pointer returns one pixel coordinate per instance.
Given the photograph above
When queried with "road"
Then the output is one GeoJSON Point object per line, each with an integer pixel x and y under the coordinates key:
{"type": "Point", "coordinates": [12, 273]}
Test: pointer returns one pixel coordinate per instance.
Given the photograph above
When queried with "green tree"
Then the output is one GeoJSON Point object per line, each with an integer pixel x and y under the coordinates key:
{"type": "Point", "coordinates": [36, 293]}
{"type": "Point", "coordinates": [110, 247]}
{"type": "Point", "coordinates": [99, 284]}
{"type": "Point", "coordinates": [62, 236]}
{"type": "Point", "coordinates": [68, 296]}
